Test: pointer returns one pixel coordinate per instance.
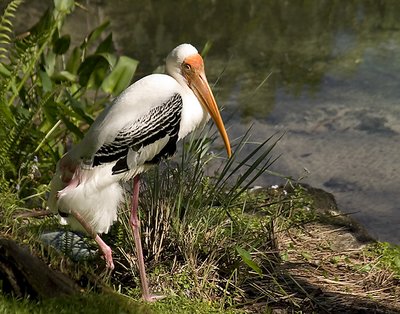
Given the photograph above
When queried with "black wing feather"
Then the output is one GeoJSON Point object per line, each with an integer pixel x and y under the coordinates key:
{"type": "Point", "coordinates": [159, 122]}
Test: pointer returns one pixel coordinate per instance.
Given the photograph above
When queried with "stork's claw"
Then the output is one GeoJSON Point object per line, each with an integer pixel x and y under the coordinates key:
{"type": "Point", "coordinates": [107, 252]}
{"type": "Point", "coordinates": [109, 260]}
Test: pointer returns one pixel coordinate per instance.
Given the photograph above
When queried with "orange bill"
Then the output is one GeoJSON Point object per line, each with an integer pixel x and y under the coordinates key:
{"type": "Point", "coordinates": [199, 84]}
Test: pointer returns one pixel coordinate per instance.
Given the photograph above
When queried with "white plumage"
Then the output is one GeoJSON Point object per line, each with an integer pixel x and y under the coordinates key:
{"type": "Point", "coordinates": [133, 103]}
{"type": "Point", "coordinates": [140, 127]}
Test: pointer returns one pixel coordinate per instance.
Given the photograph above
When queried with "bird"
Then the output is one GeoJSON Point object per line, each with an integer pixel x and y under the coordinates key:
{"type": "Point", "coordinates": [140, 128]}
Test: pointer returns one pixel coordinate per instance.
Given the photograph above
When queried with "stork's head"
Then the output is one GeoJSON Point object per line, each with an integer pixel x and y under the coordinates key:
{"type": "Point", "coordinates": [186, 65]}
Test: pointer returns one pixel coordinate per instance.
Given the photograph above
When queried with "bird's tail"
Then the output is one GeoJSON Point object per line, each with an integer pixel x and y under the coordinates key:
{"type": "Point", "coordinates": [94, 199]}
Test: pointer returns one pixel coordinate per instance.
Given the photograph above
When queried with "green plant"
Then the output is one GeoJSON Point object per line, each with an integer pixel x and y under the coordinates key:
{"type": "Point", "coordinates": [49, 93]}
{"type": "Point", "coordinates": [389, 256]}
{"type": "Point", "coordinates": [80, 303]}
{"type": "Point", "coordinates": [194, 226]}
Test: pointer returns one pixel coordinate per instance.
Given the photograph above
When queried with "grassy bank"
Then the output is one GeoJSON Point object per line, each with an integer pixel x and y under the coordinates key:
{"type": "Point", "coordinates": [212, 243]}
{"type": "Point", "coordinates": [317, 262]}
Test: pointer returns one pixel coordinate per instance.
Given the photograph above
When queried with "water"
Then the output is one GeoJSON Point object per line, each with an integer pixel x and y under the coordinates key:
{"type": "Point", "coordinates": [325, 72]}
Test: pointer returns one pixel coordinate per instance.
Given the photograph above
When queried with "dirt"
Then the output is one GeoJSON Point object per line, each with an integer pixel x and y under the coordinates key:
{"type": "Point", "coordinates": [328, 268]}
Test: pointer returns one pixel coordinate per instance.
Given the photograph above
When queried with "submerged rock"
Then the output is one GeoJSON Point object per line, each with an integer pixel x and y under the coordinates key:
{"type": "Point", "coordinates": [70, 243]}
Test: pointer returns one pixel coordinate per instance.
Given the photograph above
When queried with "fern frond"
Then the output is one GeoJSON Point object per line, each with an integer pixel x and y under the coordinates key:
{"type": "Point", "coordinates": [6, 26]}
{"type": "Point", "coordinates": [12, 138]}
{"type": "Point", "coordinates": [28, 51]}
{"type": "Point", "coordinates": [6, 164]}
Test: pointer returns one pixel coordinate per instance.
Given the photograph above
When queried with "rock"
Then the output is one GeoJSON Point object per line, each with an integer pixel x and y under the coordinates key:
{"type": "Point", "coordinates": [325, 203]}
{"type": "Point", "coordinates": [69, 243]}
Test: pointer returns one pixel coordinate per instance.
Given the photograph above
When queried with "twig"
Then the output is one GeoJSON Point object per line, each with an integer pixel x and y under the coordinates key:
{"type": "Point", "coordinates": [40, 213]}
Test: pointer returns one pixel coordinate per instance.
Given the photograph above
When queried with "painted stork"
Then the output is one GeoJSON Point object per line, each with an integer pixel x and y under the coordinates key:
{"type": "Point", "coordinates": [141, 127]}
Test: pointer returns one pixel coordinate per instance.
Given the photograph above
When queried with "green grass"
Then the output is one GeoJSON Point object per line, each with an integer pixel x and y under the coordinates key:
{"type": "Point", "coordinates": [388, 255]}
{"type": "Point", "coordinates": [211, 246]}
{"type": "Point", "coordinates": [88, 303]}
{"type": "Point", "coordinates": [85, 303]}
{"type": "Point", "coordinates": [187, 306]}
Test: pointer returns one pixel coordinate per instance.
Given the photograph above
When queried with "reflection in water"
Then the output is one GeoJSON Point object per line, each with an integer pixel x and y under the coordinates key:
{"type": "Point", "coordinates": [324, 71]}
{"type": "Point", "coordinates": [296, 41]}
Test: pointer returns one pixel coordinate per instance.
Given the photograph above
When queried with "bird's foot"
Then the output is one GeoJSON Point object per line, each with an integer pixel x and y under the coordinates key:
{"type": "Point", "coordinates": [107, 252]}
{"type": "Point", "coordinates": [109, 261]}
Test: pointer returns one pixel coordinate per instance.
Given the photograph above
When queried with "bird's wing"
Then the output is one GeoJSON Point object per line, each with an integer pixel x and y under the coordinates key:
{"type": "Point", "coordinates": [161, 122]}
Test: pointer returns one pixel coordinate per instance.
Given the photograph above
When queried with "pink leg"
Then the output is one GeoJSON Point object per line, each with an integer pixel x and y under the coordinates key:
{"type": "Point", "coordinates": [104, 248]}
{"type": "Point", "coordinates": [135, 224]}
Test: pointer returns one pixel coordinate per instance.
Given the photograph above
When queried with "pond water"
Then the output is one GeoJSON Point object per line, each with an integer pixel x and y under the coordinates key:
{"type": "Point", "coordinates": [327, 73]}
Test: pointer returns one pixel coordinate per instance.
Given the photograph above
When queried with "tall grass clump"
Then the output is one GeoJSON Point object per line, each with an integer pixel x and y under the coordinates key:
{"type": "Point", "coordinates": [208, 236]}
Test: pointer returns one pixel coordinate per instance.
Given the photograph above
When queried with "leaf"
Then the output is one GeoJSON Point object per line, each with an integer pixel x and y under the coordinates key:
{"type": "Point", "coordinates": [72, 127]}
{"type": "Point", "coordinates": [284, 256]}
{"type": "Point", "coordinates": [106, 45]}
{"type": "Point", "coordinates": [64, 5]}
{"type": "Point", "coordinates": [64, 76]}
{"type": "Point", "coordinates": [4, 71]}
{"type": "Point", "coordinates": [92, 71]}
{"type": "Point", "coordinates": [6, 26]}
{"type": "Point", "coordinates": [50, 62]}
{"type": "Point", "coordinates": [74, 61]}
{"type": "Point", "coordinates": [61, 45]}
{"type": "Point", "coordinates": [6, 113]}
{"type": "Point", "coordinates": [79, 109]}
{"type": "Point", "coordinates": [306, 256]}
{"type": "Point", "coordinates": [95, 34]}
{"type": "Point", "coordinates": [246, 257]}
{"type": "Point", "coordinates": [46, 81]}
{"type": "Point", "coordinates": [43, 25]}
{"type": "Point", "coordinates": [50, 109]}
{"type": "Point", "coordinates": [111, 58]}
{"type": "Point", "coordinates": [396, 261]}
{"type": "Point", "coordinates": [120, 77]}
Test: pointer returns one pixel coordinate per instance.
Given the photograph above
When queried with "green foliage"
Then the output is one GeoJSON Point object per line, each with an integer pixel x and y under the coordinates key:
{"type": "Point", "coordinates": [198, 230]}
{"type": "Point", "coordinates": [85, 303]}
{"type": "Point", "coordinates": [8, 204]}
{"type": "Point", "coordinates": [92, 303]}
{"type": "Point", "coordinates": [6, 31]}
{"type": "Point", "coordinates": [46, 94]}
{"type": "Point", "coordinates": [187, 306]}
{"type": "Point", "coordinates": [389, 256]}
{"type": "Point", "coordinates": [120, 77]}
{"type": "Point", "coordinates": [246, 257]}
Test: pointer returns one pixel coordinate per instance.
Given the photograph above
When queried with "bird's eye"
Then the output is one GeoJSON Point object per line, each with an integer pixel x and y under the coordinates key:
{"type": "Point", "coordinates": [187, 66]}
